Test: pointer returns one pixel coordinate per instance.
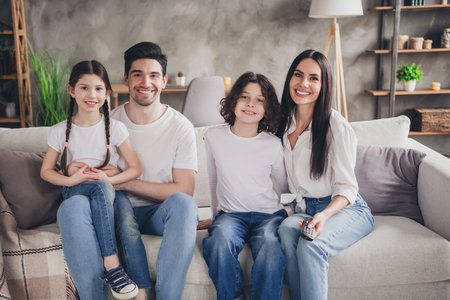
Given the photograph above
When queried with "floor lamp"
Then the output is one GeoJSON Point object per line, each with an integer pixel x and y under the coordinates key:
{"type": "Point", "coordinates": [336, 9]}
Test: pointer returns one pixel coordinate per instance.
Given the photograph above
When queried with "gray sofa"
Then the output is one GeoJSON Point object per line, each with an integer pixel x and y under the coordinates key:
{"type": "Point", "coordinates": [400, 259]}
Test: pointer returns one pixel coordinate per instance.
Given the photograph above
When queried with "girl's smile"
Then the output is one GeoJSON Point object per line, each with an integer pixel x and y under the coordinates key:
{"type": "Point", "coordinates": [250, 105]}
{"type": "Point", "coordinates": [89, 92]}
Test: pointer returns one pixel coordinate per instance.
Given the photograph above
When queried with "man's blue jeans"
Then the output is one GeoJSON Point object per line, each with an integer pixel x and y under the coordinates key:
{"type": "Point", "coordinates": [307, 261]}
{"type": "Point", "coordinates": [228, 234]}
{"type": "Point", "coordinates": [172, 219]}
{"type": "Point", "coordinates": [175, 219]}
{"type": "Point", "coordinates": [101, 195]}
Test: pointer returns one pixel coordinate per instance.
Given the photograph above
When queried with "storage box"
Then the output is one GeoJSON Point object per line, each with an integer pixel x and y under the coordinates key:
{"type": "Point", "coordinates": [430, 119]}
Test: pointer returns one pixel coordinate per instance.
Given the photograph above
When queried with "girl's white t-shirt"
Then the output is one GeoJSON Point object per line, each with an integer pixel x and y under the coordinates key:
{"type": "Point", "coordinates": [88, 144]}
{"type": "Point", "coordinates": [166, 144]}
{"type": "Point", "coordinates": [246, 174]}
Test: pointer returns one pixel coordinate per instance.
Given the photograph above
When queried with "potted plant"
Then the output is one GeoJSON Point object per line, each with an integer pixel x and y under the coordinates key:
{"type": "Point", "coordinates": [51, 80]}
{"type": "Point", "coordinates": [409, 74]}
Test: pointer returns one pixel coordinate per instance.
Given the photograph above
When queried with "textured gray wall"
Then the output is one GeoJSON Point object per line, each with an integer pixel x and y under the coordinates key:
{"type": "Point", "coordinates": [229, 37]}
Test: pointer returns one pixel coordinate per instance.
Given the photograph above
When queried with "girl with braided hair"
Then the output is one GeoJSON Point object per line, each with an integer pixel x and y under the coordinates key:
{"type": "Point", "coordinates": [87, 142]}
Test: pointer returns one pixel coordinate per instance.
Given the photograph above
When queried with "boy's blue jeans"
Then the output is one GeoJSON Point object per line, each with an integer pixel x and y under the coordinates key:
{"type": "Point", "coordinates": [307, 261]}
{"type": "Point", "coordinates": [101, 195]}
{"type": "Point", "coordinates": [227, 236]}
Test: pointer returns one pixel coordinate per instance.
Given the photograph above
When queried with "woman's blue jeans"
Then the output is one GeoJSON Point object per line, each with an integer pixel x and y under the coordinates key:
{"type": "Point", "coordinates": [101, 195]}
{"type": "Point", "coordinates": [227, 236]}
{"type": "Point", "coordinates": [307, 261]}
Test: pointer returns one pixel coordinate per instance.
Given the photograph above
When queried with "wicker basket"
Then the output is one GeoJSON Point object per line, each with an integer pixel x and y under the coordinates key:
{"type": "Point", "coordinates": [430, 119]}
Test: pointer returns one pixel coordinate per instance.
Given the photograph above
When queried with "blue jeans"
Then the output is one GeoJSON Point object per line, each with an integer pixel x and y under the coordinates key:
{"type": "Point", "coordinates": [307, 261]}
{"type": "Point", "coordinates": [81, 247]}
{"type": "Point", "coordinates": [228, 234]}
{"type": "Point", "coordinates": [101, 194]}
{"type": "Point", "coordinates": [175, 219]}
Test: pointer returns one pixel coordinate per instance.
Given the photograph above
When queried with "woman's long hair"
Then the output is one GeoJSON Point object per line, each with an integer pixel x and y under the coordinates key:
{"type": "Point", "coordinates": [80, 69]}
{"type": "Point", "coordinates": [321, 114]}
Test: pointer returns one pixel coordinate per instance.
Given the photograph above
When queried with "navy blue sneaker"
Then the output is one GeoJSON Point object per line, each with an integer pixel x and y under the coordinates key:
{"type": "Point", "coordinates": [122, 287]}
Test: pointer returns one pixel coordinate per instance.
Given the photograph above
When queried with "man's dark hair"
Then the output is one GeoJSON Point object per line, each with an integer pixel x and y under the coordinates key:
{"type": "Point", "coordinates": [145, 50]}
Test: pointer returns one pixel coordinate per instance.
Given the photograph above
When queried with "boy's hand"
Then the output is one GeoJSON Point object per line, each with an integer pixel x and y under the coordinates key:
{"type": "Point", "coordinates": [204, 224]}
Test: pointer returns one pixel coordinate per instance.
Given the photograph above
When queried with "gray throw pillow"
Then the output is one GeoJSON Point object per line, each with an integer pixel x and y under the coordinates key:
{"type": "Point", "coordinates": [33, 201]}
{"type": "Point", "coordinates": [387, 179]}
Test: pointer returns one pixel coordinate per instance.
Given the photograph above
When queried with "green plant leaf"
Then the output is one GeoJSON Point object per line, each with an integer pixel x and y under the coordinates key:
{"type": "Point", "coordinates": [50, 78]}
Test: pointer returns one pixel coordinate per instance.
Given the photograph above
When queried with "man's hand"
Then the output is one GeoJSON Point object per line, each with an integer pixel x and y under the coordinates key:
{"type": "Point", "coordinates": [204, 224]}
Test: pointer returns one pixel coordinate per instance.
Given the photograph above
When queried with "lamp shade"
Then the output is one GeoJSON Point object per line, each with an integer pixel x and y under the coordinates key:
{"type": "Point", "coordinates": [335, 8]}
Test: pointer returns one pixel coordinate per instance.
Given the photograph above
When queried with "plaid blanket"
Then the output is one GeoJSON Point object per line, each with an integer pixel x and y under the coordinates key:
{"type": "Point", "coordinates": [32, 264]}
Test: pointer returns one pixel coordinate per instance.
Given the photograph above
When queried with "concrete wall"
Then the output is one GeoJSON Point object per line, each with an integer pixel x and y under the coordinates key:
{"type": "Point", "coordinates": [229, 37]}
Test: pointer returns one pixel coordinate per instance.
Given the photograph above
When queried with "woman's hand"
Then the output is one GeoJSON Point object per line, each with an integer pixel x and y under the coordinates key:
{"type": "Point", "coordinates": [204, 224]}
{"type": "Point", "coordinates": [318, 222]}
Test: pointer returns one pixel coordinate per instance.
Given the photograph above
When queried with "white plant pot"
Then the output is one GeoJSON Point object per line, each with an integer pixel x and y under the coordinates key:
{"type": "Point", "coordinates": [409, 85]}
{"type": "Point", "coordinates": [180, 80]}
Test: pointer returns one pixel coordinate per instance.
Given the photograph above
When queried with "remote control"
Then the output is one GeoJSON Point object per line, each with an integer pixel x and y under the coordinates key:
{"type": "Point", "coordinates": [307, 233]}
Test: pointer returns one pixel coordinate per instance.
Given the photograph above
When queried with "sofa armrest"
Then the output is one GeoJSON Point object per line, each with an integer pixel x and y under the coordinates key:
{"type": "Point", "coordinates": [433, 189]}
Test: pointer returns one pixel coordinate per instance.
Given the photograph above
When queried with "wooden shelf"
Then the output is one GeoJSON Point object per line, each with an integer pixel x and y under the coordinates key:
{"type": "Point", "coordinates": [403, 93]}
{"type": "Point", "coordinates": [429, 133]}
{"type": "Point", "coordinates": [412, 7]}
{"type": "Point", "coordinates": [9, 120]}
{"type": "Point", "coordinates": [387, 51]}
{"type": "Point", "coordinates": [10, 32]}
{"type": "Point", "coordinates": [13, 77]}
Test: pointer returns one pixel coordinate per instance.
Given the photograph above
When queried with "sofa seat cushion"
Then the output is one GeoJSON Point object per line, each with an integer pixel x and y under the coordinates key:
{"type": "Point", "coordinates": [398, 251]}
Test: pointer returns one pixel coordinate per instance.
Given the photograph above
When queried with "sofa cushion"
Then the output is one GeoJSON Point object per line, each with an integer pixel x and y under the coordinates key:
{"type": "Point", "coordinates": [387, 179]}
{"type": "Point", "coordinates": [398, 251]}
{"type": "Point", "coordinates": [383, 132]}
{"type": "Point", "coordinates": [33, 201]}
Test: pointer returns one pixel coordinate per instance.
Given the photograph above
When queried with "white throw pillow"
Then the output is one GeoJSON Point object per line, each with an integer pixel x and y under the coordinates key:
{"type": "Point", "coordinates": [383, 132]}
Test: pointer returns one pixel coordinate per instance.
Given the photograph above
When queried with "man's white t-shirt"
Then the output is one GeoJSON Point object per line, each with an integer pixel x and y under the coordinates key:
{"type": "Point", "coordinates": [245, 174]}
{"type": "Point", "coordinates": [166, 144]}
{"type": "Point", "coordinates": [88, 144]}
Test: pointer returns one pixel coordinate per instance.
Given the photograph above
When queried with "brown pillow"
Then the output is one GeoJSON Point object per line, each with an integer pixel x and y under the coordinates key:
{"type": "Point", "coordinates": [33, 201]}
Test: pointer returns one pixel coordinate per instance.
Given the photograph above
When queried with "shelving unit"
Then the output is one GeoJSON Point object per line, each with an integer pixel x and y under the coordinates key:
{"type": "Point", "coordinates": [394, 51]}
{"type": "Point", "coordinates": [22, 76]}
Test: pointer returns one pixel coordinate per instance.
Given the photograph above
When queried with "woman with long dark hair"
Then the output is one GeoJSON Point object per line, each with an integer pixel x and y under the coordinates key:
{"type": "Point", "coordinates": [320, 155]}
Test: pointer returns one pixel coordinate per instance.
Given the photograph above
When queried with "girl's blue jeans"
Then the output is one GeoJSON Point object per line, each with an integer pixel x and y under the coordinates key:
{"type": "Point", "coordinates": [101, 195]}
{"type": "Point", "coordinates": [227, 236]}
{"type": "Point", "coordinates": [307, 261]}
{"type": "Point", "coordinates": [175, 219]}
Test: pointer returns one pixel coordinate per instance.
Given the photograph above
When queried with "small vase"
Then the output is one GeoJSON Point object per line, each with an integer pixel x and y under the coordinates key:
{"type": "Point", "coordinates": [180, 80]}
{"type": "Point", "coordinates": [409, 85]}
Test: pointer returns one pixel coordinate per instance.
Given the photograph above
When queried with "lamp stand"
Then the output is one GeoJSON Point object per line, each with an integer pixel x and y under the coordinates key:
{"type": "Point", "coordinates": [340, 85]}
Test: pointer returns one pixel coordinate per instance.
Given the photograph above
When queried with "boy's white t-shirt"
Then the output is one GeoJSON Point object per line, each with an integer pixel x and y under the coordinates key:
{"type": "Point", "coordinates": [88, 144]}
{"type": "Point", "coordinates": [166, 144]}
{"type": "Point", "coordinates": [246, 174]}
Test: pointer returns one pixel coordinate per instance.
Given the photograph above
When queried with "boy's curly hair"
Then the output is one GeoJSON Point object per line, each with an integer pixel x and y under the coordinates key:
{"type": "Point", "coordinates": [272, 110]}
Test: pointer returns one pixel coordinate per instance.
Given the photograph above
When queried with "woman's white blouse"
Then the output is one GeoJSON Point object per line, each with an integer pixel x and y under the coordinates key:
{"type": "Point", "coordinates": [339, 176]}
